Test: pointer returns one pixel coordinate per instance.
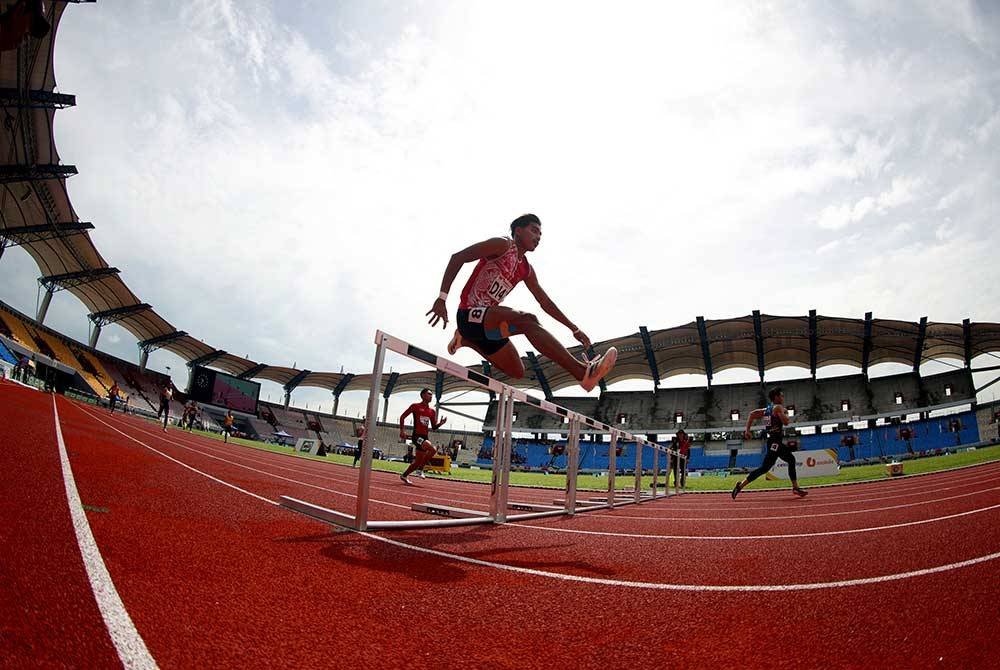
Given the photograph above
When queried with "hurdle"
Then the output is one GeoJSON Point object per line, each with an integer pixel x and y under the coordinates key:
{"type": "Point", "coordinates": [500, 505]}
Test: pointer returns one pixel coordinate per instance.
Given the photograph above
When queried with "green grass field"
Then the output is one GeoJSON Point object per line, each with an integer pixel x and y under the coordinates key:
{"type": "Point", "coordinates": [859, 473]}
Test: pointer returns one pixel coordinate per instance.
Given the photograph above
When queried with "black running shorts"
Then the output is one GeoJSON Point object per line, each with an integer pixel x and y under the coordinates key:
{"type": "Point", "coordinates": [470, 325]}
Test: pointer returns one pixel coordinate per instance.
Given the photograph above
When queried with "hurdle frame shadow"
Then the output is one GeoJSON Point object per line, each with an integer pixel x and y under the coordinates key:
{"type": "Point", "coordinates": [445, 515]}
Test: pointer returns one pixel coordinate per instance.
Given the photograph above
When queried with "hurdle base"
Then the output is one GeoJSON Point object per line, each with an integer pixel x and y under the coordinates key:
{"type": "Point", "coordinates": [317, 512]}
{"type": "Point", "coordinates": [448, 511]}
{"type": "Point", "coordinates": [532, 507]}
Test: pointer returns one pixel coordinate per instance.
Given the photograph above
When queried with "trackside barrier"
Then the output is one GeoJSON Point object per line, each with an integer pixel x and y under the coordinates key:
{"type": "Point", "coordinates": [500, 504]}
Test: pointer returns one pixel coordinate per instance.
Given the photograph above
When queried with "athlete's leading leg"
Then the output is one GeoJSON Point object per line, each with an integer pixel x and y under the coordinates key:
{"type": "Point", "coordinates": [504, 322]}
{"type": "Point", "coordinates": [788, 457]}
{"type": "Point", "coordinates": [424, 453]}
{"type": "Point", "coordinates": [769, 460]}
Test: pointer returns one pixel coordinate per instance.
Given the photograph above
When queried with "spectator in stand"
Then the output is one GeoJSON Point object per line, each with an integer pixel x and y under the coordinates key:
{"type": "Point", "coordinates": [22, 365]}
{"type": "Point", "coordinates": [166, 394]}
{"type": "Point", "coordinates": [227, 425]}
{"type": "Point", "coordinates": [359, 432]}
{"type": "Point", "coordinates": [125, 409]}
{"type": "Point", "coordinates": [113, 394]}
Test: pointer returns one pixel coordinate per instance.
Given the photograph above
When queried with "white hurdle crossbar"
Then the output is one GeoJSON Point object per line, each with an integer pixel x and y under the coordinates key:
{"type": "Point", "coordinates": [500, 482]}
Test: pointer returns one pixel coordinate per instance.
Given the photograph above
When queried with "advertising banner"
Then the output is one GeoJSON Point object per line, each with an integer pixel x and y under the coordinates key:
{"type": "Point", "coordinates": [818, 463]}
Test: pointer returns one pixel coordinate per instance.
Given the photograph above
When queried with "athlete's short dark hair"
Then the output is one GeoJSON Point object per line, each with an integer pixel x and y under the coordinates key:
{"type": "Point", "coordinates": [773, 393]}
{"type": "Point", "coordinates": [524, 220]}
{"type": "Point", "coordinates": [425, 390]}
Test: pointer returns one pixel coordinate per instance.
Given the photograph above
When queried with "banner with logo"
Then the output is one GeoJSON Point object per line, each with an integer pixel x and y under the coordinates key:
{"type": "Point", "coordinates": [818, 463]}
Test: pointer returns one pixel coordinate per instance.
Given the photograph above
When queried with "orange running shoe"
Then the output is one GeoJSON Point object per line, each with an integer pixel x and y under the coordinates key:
{"type": "Point", "coordinates": [598, 369]}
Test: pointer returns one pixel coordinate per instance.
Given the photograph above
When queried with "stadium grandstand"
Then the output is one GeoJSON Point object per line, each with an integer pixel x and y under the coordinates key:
{"type": "Point", "coordinates": [37, 215]}
{"type": "Point", "coordinates": [203, 554]}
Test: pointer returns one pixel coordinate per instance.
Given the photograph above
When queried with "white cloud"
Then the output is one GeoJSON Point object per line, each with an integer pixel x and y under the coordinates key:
{"type": "Point", "coordinates": [281, 190]}
{"type": "Point", "coordinates": [828, 247]}
{"type": "Point", "coordinates": [901, 192]}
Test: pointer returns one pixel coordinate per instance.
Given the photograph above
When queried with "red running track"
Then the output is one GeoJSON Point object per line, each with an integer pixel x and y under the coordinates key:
{"type": "Point", "coordinates": [212, 573]}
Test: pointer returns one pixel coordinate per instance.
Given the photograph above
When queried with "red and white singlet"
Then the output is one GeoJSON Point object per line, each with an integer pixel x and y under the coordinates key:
{"type": "Point", "coordinates": [493, 279]}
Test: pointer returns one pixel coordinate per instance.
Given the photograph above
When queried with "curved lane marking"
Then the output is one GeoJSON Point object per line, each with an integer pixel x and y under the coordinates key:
{"type": "Point", "coordinates": [754, 537]}
{"type": "Point", "coordinates": [128, 643]}
{"type": "Point", "coordinates": [659, 586]}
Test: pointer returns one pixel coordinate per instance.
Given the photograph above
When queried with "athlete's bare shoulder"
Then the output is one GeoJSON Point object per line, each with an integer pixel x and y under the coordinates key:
{"type": "Point", "coordinates": [497, 246]}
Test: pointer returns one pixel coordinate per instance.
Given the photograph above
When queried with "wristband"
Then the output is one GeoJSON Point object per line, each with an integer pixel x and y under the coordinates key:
{"type": "Point", "coordinates": [576, 331]}
{"type": "Point", "coordinates": [443, 296]}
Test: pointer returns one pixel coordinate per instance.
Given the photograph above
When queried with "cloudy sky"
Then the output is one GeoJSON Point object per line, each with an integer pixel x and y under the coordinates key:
{"type": "Point", "coordinates": [281, 178]}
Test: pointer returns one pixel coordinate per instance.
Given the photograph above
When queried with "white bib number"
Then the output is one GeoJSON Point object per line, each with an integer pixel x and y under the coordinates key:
{"type": "Point", "coordinates": [499, 289]}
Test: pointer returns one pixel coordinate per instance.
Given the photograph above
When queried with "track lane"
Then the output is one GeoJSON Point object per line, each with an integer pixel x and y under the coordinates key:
{"type": "Point", "coordinates": [395, 587]}
{"type": "Point", "coordinates": [47, 608]}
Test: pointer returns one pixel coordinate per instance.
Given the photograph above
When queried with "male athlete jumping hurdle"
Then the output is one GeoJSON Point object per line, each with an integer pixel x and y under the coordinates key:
{"type": "Point", "coordinates": [486, 326]}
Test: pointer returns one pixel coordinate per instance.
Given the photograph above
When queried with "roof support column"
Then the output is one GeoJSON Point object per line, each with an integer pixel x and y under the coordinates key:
{"type": "Point", "coordinates": [967, 339]}
{"type": "Point", "coordinates": [143, 359]}
{"type": "Point", "coordinates": [44, 307]}
{"type": "Point", "coordinates": [866, 351]}
{"type": "Point", "coordinates": [338, 389]}
{"type": "Point", "coordinates": [758, 333]}
{"type": "Point", "coordinates": [918, 354]}
{"type": "Point", "coordinates": [706, 353]}
{"type": "Point", "coordinates": [389, 386]}
{"type": "Point", "coordinates": [813, 343]}
{"type": "Point", "coordinates": [95, 333]}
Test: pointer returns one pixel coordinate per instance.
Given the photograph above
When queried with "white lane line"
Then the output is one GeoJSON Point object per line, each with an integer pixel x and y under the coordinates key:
{"type": "Point", "coordinates": [661, 586]}
{"type": "Point", "coordinates": [646, 585]}
{"type": "Point", "coordinates": [438, 494]}
{"type": "Point", "coordinates": [754, 537]}
{"type": "Point", "coordinates": [791, 516]}
{"type": "Point", "coordinates": [825, 501]}
{"type": "Point", "coordinates": [412, 494]}
{"type": "Point", "coordinates": [181, 463]}
{"type": "Point", "coordinates": [128, 643]}
{"type": "Point", "coordinates": [595, 515]}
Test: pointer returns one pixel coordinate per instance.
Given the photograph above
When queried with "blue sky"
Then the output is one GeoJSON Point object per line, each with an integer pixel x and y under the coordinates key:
{"type": "Point", "coordinates": [281, 179]}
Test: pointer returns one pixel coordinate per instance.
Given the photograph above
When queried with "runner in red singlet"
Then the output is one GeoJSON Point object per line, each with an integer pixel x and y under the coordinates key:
{"type": "Point", "coordinates": [424, 420]}
{"type": "Point", "coordinates": [486, 326]}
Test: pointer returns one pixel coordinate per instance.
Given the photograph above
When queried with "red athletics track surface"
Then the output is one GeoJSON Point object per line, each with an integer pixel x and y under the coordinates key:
{"type": "Point", "coordinates": [210, 572]}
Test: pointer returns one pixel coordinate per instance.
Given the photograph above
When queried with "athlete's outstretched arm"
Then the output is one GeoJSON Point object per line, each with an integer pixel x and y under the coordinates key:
{"type": "Point", "coordinates": [754, 415]}
{"type": "Point", "coordinates": [402, 421]}
{"type": "Point", "coordinates": [490, 248]}
{"type": "Point", "coordinates": [549, 307]}
{"type": "Point", "coordinates": [438, 424]}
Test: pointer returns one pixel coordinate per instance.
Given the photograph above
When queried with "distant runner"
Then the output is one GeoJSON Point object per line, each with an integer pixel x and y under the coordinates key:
{"type": "Point", "coordinates": [486, 326]}
{"type": "Point", "coordinates": [424, 420]}
{"type": "Point", "coordinates": [776, 420]}
{"type": "Point", "coordinates": [359, 432]}
{"type": "Point", "coordinates": [227, 425]}
{"type": "Point", "coordinates": [113, 396]}
{"type": "Point", "coordinates": [166, 394]}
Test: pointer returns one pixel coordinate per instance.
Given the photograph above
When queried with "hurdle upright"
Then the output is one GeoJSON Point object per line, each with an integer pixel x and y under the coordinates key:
{"type": "Point", "coordinates": [500, 477]}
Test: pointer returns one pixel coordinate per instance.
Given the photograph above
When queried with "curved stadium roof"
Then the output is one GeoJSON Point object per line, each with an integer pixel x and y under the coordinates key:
{"type": "Point", "coordinates": [36, 213]}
